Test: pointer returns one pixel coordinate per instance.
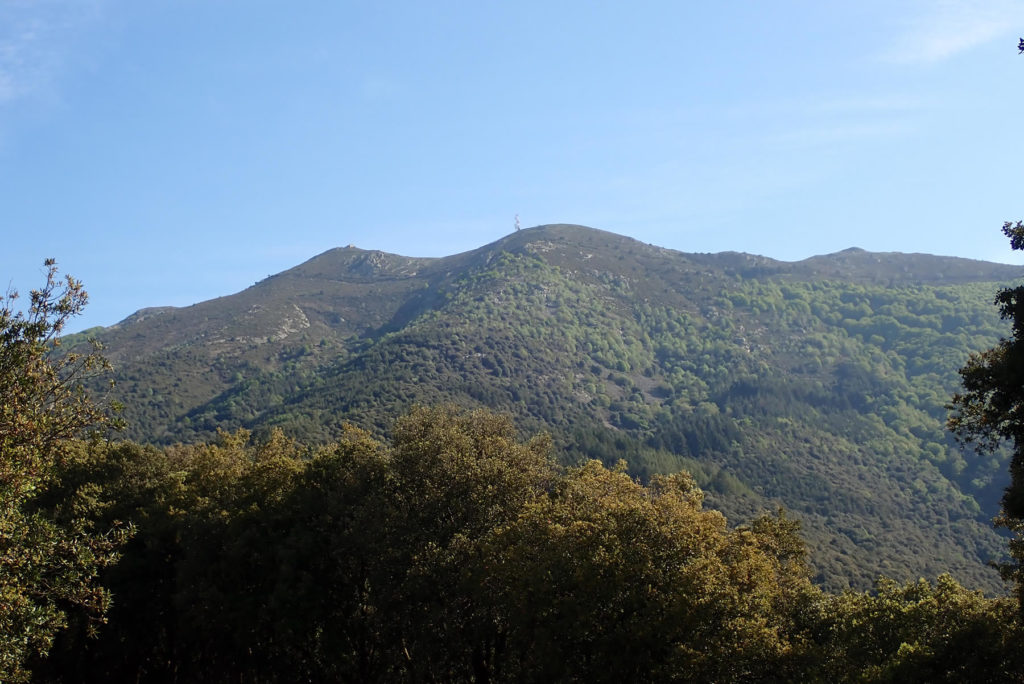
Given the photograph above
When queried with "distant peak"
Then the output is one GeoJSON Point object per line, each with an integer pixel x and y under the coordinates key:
{"type": "Point", "coordinates": [563, 232]}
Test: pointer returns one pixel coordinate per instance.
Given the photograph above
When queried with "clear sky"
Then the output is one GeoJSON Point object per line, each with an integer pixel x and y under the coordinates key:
{"type": "Point", "coordinates": [166, 152]}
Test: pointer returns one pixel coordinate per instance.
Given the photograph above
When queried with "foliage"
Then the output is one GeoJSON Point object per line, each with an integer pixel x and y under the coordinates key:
{"type": "Point", "coordinates": [914, 632]}
{"type": "Point", "coordinates": [819, 385]}
{"type": "Point", "coordinates": [460, 553]}
{"type": "Point", "coordinates": [990, 410]}
{"type": "Point", "coordinates": [48, 562]}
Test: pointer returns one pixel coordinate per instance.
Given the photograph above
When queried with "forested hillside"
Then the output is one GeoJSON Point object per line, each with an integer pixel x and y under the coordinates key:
{"type": "Point", "coordinates": [820, 384]}
{"type": "Point", "coordinates": [457, 552]}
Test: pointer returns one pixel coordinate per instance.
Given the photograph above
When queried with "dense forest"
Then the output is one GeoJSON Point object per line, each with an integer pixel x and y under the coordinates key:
{"type": "Point", "coordinates": [617, 520]}
{"type": "Point", "coordinates": [457, 552]}
{"type": "Point", "coordinates": [818, 385]}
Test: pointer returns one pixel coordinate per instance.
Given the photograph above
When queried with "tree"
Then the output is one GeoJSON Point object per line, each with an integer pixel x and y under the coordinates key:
{"type": "Point", "coordinates": [606, 579]}
{"type": "Point", "coordinates": [458, 478]}
{"type": "Point", "coordinates": [916, 631]}
{"type": "Point", "coordinates": [48, 559]}
{"type": "Point", "coordinates": [990, 410]}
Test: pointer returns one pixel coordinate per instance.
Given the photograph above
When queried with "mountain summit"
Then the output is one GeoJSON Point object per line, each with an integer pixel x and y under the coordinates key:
{"type": "Point", "coordinates": [819, 385]}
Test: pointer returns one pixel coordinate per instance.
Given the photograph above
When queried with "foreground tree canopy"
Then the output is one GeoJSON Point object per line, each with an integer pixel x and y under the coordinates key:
{"type": "Point", "coordinates": [458, 552]}
{"type": "Point", "coordinates": [48, 562]}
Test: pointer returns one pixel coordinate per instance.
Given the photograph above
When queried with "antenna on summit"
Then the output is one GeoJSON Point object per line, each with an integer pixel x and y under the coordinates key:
{"type": "Point", "coordinates": [517, 221]}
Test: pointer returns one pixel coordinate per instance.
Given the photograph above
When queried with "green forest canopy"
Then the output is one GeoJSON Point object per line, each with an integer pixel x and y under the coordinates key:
{"type": "Point", "coordinates": [457, 552]}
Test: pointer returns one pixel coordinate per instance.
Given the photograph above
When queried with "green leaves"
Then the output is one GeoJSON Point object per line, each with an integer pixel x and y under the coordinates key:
{"type": "Point", "coordinates": [460, 552]}
{"type": "Point", "coordinates": [915, 632]}
{"type": "Point", "coordinates": [457, 552]}
{"type": "Point", "coordinates": [48, 563]}
{"type": "Point", "coordinates": [990, 410]}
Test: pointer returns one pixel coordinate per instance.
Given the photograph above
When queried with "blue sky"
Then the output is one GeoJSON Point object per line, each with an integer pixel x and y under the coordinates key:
{"type": "Point", "coordinates": [170, 152]}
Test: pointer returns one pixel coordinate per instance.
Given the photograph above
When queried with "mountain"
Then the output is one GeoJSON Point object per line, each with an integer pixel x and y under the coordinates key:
{"type": "Point", "coordinates": [819, 385]}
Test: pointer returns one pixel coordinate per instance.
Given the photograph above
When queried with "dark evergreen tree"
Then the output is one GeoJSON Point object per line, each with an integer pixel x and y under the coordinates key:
{"type": "Point", "coordinates": [990, 410]}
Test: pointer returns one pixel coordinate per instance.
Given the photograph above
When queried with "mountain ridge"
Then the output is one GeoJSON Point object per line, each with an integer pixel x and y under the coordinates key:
{"type": "Point", "coordinates": [373, 263]}
{"type": "Point", "coordinates": [817, 384]}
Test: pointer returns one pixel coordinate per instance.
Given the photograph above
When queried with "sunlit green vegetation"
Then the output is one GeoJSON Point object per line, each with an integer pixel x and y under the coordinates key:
{"type": "Point", "coordinates": [618, 522]}
{"type": "Point", "coordinates": [821, 387]}
{"type": "Point", "coordinates": [457, 552]}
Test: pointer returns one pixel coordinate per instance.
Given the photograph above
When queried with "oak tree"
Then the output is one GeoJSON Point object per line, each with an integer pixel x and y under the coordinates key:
{"type": "Point", "coordinates": [48, 562]}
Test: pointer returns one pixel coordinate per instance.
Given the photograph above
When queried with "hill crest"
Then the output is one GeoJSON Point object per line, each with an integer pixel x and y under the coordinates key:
{"type": "Point", "coordinates": [566, 242]}
{"type": "Point", "coordinates": [818, 384]}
